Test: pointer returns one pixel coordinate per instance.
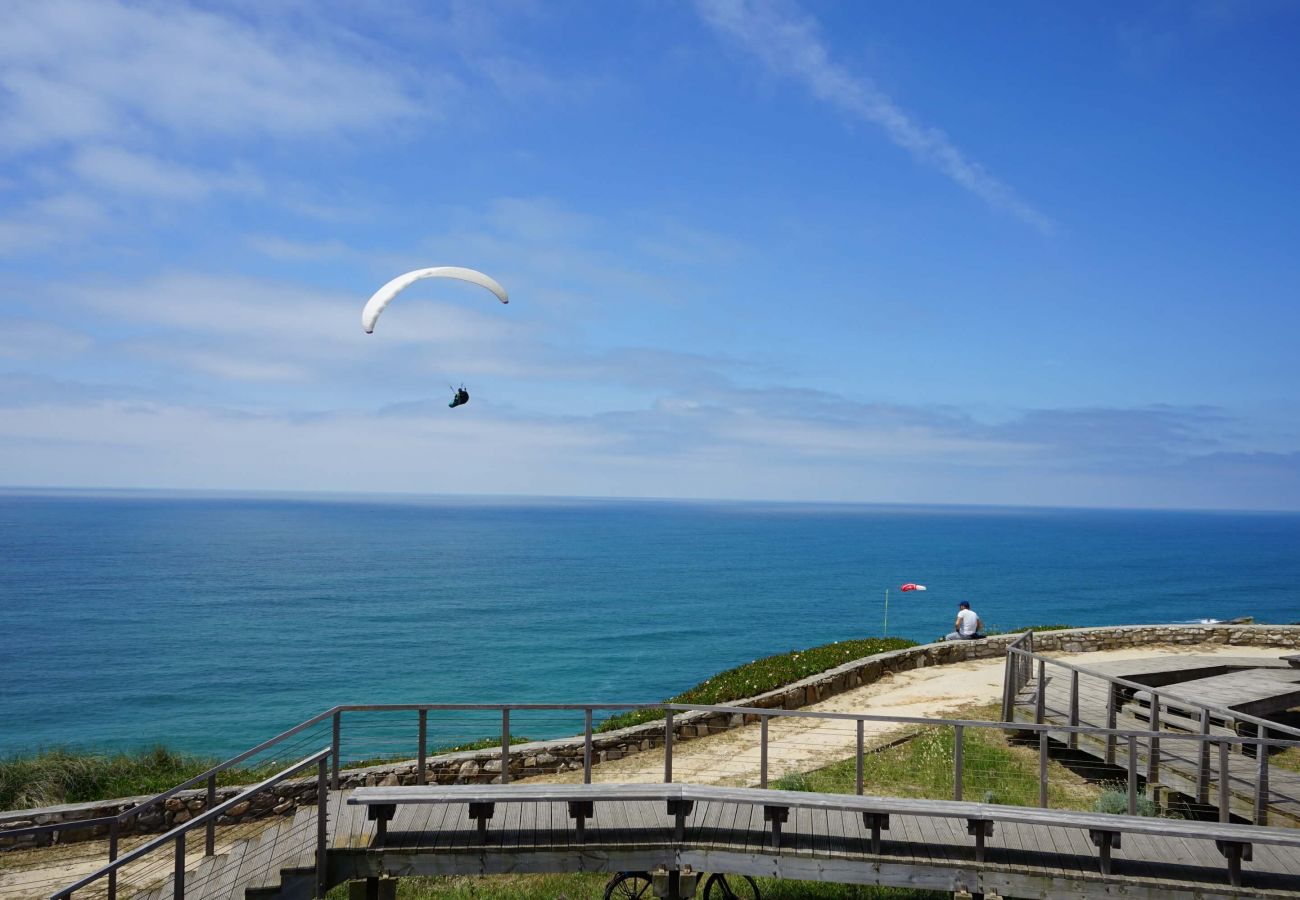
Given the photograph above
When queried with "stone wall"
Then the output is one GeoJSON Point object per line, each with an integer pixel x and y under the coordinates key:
{"type": "Point", "coordinates": [547, 757]}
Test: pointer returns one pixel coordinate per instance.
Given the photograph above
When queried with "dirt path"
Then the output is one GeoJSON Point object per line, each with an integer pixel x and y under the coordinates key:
{"type": "Point", "coordinates": [798, 745]}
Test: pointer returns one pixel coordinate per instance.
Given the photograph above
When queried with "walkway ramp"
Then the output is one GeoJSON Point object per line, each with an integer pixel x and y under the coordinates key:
{"type": "Point", "coordinates": [1182, 766]}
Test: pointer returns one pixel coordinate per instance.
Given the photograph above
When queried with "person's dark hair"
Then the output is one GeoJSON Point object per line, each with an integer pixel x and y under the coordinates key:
{"type": "Point", "coordinates": [963, 605]}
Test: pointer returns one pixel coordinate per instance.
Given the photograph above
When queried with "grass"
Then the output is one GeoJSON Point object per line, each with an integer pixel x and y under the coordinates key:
{"type": "Point", "coordinates": [57, 776]}
{"type": "Point", "coordinates": [1287, 759]}
{"type": "Point", "coordinates": [762, 675]}
{"type": "Point", "coordinates": [995, 770]}
{"type": "Point", "coordinates": [573, 887]}
{"type": "Point", "coordinates": [53, 777]}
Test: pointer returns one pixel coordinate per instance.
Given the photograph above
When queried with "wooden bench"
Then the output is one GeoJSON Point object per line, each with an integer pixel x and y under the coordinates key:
{"type": "Point", "coordinates": [1234, 842]}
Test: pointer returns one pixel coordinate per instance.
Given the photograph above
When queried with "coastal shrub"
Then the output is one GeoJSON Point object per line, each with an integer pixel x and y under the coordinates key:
{"type": "Point", "coordinates": [764, 675]}
{"type": "Point", "coordinates": [60, 775]}
{"type": "Point", "coordinates": [56, 776]}
{"type": "Point", "coordinates": [1114, 800]}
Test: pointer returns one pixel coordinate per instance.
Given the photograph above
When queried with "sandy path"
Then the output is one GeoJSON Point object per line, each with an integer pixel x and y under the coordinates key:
{"type": "Point", "coordinates": [799, 745]}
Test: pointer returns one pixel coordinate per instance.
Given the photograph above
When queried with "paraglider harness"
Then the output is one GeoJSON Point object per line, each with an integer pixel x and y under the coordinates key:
{"type": "Point", "coordinates": [460, 398]}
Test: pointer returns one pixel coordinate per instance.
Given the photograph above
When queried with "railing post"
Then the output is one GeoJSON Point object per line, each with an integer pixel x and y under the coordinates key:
{"type": "Point", "coordinates": [210, 839]}
{"type": "Point", "coordinates": [861, 752]}
{"type": "Point", "coordinates": [1008, 698]}
{"type": "Point", "coordinates": [322, 818]}
{"type": "Point", "coordinates": [1112, 695]}
{"type": "Point", "coordinates": [1132, 775]}
{"type": "Point", "coordinates": [334, 750]}
{"type": "Point", "coordinates": [762, 752]}
{"type": "Point", "coordinates": [1074, 709]}
{"type": "Point", "coordinates": [1042, 769]}
{"type": "Point", "coordinates": [505, 745]}
{"type": "Point", "coordinates": [958, 733]}
{"type": "Point", "coordinates": [1261, 784]}
{"type": "Point", "coordinates": [112, 856]}
{"type": "Point", "coordinates": [1040, 701]}
{"type": "Point", "coordinates": [178, 872]}
{"type": "Point", "coordinates": [420, 776]}
{"type": "Point", "coordinates": [668, 746]}
{"type": "Point", "coordinates": [1203, 763]}
{"type": "Point", "coordinates": [1225, 797]}
{"type": "Point", "coordinates": [1153, 745]}
{"type": "Point", "coordinates": [586, 746]}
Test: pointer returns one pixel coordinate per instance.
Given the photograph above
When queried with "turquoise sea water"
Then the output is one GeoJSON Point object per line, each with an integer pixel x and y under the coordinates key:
{"type": "Point", "coordinates": [210, 623]}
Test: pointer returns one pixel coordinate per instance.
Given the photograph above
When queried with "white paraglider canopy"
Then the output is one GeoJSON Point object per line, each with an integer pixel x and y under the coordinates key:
{"type": "Point", "coordinates": [381, 298]}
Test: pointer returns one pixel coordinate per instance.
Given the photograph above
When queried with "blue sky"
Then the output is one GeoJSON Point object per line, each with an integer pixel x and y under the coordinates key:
{"type": "Point", "coordinates": [1013, 253]}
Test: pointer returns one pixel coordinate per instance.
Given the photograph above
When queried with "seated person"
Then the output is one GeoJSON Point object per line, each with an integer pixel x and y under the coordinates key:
{"type": "Point", "coordinates": [968, 624]}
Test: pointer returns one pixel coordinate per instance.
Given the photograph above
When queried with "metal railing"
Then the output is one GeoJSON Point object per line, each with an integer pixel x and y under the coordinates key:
{"type": "Point", "coordinates": [1161, 709]}
{"type": "Point", "coordinates": [176, 837]}
{"type": "Point", "coordinates": [841, 736]}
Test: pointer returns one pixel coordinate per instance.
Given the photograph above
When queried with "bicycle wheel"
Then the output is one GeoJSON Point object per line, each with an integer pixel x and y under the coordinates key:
{"type": "Point", "coordinates": [629, 886]}
{"type": "Point", "coordinates": [731, 887]}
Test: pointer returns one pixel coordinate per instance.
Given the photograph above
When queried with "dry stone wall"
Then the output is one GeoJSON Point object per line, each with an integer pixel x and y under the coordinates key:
{"type": "Point", "coordinates": [548, 757]}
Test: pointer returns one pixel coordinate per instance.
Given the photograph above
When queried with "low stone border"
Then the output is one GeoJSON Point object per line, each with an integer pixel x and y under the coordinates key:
{"type": "Point", "coordinates": [548, 757]}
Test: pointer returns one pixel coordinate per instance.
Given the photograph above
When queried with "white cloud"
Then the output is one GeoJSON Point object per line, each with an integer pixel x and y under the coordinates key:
{"type": "Point", "coordinates": [788, 43]}
{"type": "Point", "coordinates": [77, 69]}
{"type": "Point", "coordinates": [123, 171]}
{"type": "Point", "coordinates": [24, 339]}
{"type": "Point", "coordinates": [57, 218]}
{"type": "Point", "coordinates": [673, 449]}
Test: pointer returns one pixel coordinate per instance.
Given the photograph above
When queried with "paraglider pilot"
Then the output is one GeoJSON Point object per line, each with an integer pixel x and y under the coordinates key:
{"type": "Point", "coordinates": [461, 397]}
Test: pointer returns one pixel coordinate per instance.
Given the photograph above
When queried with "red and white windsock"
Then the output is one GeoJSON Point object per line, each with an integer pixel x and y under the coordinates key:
{"type": "Point", "coordinates": [912, 587]}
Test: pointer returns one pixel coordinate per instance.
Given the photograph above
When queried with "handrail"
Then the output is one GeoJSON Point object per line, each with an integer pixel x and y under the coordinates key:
{"type": "Point", "coordinates": [233, 761]}
{"type": "Point", "coordinates": [1124, 682]}
{"type": "Point", "coordinates": [760, 712]}
{"type": "Point", "coordinates": [982, 723]}
{"type": "Point", "coordinates": [186, 827]}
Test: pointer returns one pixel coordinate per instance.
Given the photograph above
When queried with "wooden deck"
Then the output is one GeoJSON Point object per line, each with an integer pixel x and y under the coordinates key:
{"type": "Point", "coordinates": [931, 849]}
{"type": "Point", "coordinates": [926, 844]}
{"type": "Point", "coordinates": [1179, 760]}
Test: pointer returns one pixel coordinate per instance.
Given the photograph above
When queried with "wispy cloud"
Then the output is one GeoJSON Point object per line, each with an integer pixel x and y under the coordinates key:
{"type": "Point", "coordinates": [788, 43]}
{"type": "Point", "coordinates": [74, 69]}
{"type": "Point", "coordinates": [777, 443]}
{"type": "Point", "coordinates": [123, 171]}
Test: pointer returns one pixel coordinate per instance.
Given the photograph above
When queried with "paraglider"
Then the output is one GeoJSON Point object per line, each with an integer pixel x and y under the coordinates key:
{"type": "Point", "coordinates": [379, 301]}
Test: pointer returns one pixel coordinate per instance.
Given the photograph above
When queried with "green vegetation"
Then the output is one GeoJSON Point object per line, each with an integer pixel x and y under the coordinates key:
{"type": "Point", "coordinates": [592, 886]}
{"type": "Point", "coordinates": [63, 776]}
{"type": "Point", "coordinates": [763, 675]}
{"type": "Point", "coordinates": [991, 633]}
{"type": "Point", "coordinates": [1287, 759]}
{"type": "Point", "coordinates": [52, 777]}
{"type": "Point", "coordinates": [1114, 800]}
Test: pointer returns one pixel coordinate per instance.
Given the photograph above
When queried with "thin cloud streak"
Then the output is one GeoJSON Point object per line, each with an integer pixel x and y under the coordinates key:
{"type": "Point", "coordinates": [787, 42]}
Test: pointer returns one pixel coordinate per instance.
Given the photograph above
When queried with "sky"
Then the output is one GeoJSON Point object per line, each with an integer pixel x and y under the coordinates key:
{"type": "Point", "coordinates": [1013, 253]}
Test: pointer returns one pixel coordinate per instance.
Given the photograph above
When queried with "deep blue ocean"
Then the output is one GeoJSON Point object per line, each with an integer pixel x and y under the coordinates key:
{"type": "Point", "coordinates": [210, 623]}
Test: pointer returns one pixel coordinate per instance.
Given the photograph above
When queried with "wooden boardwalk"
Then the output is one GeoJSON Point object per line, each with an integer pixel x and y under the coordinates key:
{"type": "Point", "coordinates": [1179, 760]}
{"type": "Point", "coordinates": [919, 851]}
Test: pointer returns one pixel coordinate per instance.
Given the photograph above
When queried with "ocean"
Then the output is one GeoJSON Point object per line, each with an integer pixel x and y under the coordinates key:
{"type": "Point", "coordinates": [210, 623]}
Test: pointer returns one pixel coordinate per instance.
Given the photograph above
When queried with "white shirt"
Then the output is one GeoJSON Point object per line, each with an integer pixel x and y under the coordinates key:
{"type": "Point", "coordinates": [967, 622]}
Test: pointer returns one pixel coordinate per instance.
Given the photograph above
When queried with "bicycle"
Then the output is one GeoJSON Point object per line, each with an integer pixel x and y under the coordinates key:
{"type": "Point", "coordinates": [637, 886]}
